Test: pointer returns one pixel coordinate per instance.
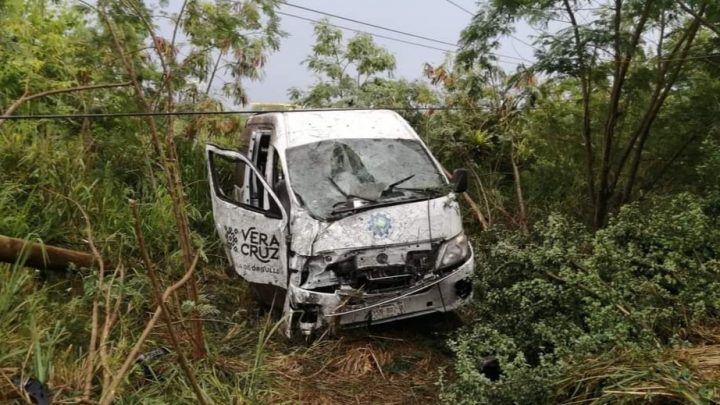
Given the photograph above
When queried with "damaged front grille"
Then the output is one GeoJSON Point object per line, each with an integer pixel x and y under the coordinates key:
{"type": "Point", "coordinates": [381, 271]}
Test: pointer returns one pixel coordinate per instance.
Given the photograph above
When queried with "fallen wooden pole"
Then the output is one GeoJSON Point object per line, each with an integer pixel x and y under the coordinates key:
{"type": "Point", "coordinates": [41, 256]}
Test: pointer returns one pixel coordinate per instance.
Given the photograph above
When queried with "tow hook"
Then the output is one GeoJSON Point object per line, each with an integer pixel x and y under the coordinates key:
{"type": "Point", "coordinates": [309, 319]}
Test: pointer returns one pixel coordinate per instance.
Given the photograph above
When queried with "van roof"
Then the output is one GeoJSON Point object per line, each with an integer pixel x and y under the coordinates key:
{"type": "Point", "coordinates": [303, 127]}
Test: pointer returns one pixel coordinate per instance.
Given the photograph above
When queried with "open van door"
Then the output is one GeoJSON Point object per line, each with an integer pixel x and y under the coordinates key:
{"type": "Point", "coordinates": [252, 229]}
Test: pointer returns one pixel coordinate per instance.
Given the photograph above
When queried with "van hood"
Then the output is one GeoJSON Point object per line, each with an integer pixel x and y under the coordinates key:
{"type": "Point", "coordinates": [399, 224]}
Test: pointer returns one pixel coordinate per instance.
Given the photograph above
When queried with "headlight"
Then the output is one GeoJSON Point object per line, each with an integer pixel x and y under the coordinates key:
{"type": "Point", "coordinates": [453, 252]}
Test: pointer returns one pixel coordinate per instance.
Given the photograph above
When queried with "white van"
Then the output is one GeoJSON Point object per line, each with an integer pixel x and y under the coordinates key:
{"type": "Point", "coordinates": [342, 217]}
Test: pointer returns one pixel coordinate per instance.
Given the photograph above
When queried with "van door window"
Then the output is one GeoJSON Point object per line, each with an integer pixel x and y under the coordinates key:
{"type": "Point", "coordinates": [228, 176]}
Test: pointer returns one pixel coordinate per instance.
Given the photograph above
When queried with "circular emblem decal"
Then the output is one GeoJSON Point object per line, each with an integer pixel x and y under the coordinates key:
{"type": "Point", "coordinates": [380, 225]}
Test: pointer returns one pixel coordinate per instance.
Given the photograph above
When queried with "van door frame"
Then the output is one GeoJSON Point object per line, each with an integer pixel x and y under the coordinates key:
{"type": "Point", "coordinates": [226, 206]}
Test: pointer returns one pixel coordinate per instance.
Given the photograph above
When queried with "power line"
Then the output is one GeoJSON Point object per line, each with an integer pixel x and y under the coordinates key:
{"type": "Point", "coordinates": [365, 32]}
{"type": "Point", "coordinates": [210, 113]}
{"type": "Point", "coordinates": [383, 28]}
{"type": "Point", "coordinates": [461, 7]}
{"type": "Point", "coordinates": [370, 24]}
{"type": "Point", "coordinates": [473, 14]}
{"type": "Point", "coordinates": [522, 41]}
{"type": "Point", "coordinates": [499, 56]}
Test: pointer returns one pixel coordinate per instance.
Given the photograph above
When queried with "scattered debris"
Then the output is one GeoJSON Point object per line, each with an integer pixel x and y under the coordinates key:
{"type": "Point", "coordinates": [490, 367]}
{"type": "Point", "coordinates": [36, 390]}
{"type": "Point", "coordinates": [146, 357]}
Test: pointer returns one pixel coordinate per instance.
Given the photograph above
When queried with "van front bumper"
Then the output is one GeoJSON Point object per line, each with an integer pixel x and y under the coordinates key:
{"type": "Point", "coordinates": [438, 293]}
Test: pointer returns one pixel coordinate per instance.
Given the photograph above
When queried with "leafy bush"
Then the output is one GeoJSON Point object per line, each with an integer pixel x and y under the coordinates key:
{"type": "Point", "coordinates": [549, 301]}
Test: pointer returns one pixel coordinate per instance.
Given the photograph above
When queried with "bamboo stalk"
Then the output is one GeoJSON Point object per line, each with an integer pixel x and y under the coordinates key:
{"type": "Point", "coordinates": [111, 391]}
{"type": "Point", "coordinates": [155, 280]}
{"type": "Point", "coordinates": [41, 256]}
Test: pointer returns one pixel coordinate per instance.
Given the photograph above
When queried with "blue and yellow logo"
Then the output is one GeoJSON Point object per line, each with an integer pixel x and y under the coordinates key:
{"type": "Point", "coordinates": [380, 225]}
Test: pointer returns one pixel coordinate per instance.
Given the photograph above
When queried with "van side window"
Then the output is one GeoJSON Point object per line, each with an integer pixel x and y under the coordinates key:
{"type": "Point", "coordinates": [276, 178]}
{"type": "Point", "coordinates": [277, 173]}
{"type": "Point", "coordinates": [259, 158]}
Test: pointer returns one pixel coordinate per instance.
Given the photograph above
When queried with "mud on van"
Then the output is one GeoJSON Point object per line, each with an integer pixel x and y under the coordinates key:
{"type": "Point", "coordinates": [342, 218]}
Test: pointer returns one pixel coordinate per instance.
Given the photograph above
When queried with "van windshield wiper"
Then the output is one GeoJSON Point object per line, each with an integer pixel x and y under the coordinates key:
{"type": "Point", "coordinates": [427, 190]}
{"type": "Point", "coordinates": [381, 203]}
{"type": "Point", "coordinates": [357, 209]}
{"type": "Point", "coordinates": [347, 197]}
{"type": "Point", "coordinates": [397, 183]}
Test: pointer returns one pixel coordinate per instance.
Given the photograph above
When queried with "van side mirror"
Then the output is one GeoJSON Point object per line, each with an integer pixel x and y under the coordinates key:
{"type": "Point", "coordinates": [459, 179]}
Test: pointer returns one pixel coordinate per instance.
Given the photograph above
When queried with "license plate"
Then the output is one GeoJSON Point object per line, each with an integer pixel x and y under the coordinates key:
{"type": "Point", "coordinates": [387, 311]}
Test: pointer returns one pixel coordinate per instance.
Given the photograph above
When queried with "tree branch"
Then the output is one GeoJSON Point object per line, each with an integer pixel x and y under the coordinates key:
{"type": "Point", "coordinates": [663, 68]}
{"type": "Point", "coordinates": [167, 154]}
{"type": "Point", "coordinates": [28, 97]}
{"type": "Point", "coordinates": [661, 173]}
{"type": "Point", "coordinates": [155, 281]}
{"type": "Point", "coordinates": [518, 190]}
{"type": "Point", "coordinates": [622, 65]}
{"type": "Point", "coordinates": [707, 24]}
{"type": "Point", "coordinates": [652, 113]}
{"type": "Point", "coordinates": [109, 394]}
{"type": "Point", "coordinates": [585, 88]}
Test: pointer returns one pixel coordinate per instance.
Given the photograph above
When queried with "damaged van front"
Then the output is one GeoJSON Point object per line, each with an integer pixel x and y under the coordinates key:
{"type": "Point", "coordinates": [343, 217]}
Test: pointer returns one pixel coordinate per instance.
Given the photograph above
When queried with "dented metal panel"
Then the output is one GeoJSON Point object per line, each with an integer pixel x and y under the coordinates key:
{"type": "Point", "coordinates": [404, 223]}
{"type": "Point", "coordinates": [355, 307]}
{"type": "Point", "coordinates": [308, 127]}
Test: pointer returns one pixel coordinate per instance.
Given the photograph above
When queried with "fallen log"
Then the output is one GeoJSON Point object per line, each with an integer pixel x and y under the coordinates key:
{"type": "Point", "coordinates": [41, 256]}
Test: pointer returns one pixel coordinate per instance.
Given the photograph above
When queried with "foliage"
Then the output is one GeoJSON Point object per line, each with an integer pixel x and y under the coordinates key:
{"type": "Point", "coordinates": [356, 73]}
{"type": "Point", "coordinates": [44, 48]}
{"type": "Point", "coordinates": [487, 131]}
{"type": "Point", "coordinates": [550, 300]}
{"type": "Point", "coordinates": [625, 67]}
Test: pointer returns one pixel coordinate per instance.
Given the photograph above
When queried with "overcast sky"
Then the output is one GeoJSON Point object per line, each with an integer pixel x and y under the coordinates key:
{"type": "Point", "coordinates": [436, 19]}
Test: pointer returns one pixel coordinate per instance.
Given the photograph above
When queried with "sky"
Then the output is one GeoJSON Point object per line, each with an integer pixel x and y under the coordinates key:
{"type": "Point", "coordinates": [437, 19]}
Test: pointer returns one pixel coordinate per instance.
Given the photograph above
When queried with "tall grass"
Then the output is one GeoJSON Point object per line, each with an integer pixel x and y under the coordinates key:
{"type": "Point", "coordinates": [14, 304]}
{"type": "Point", "coordinates": [29, 333]}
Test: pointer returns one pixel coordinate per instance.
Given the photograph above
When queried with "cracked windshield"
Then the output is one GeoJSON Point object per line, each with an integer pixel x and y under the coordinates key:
{"type": "Point", "coordinates": [330, 175]}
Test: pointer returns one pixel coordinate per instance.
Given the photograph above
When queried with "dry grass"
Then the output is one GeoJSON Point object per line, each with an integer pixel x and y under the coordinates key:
{"type": "Point", "coordinates": [703, 360]}
{"type": "Point", "coordinates": [8, 390]}
{"type": "Point", "coordinates": [677, 375]}
{"type": "Point", "coordinates": [396, 363]}
{"type": "Point", "coordinates": [353, 368]}
{"type": "Point", "coordinates": [357, 368]}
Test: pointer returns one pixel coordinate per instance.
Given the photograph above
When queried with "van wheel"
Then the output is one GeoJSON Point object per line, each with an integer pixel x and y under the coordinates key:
{"type": "Point", "coordinates": [269, 296]}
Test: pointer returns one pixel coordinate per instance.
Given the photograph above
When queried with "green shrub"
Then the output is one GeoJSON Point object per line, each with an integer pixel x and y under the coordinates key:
{"type": "Point", "coordinates": [548, 301]}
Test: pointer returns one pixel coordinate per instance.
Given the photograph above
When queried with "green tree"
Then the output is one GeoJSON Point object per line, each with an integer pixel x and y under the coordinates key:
{"type": "Point", "coordinates": [356, 73]}
{"type": "Point", "coordinates": [485, 129]}
{"type": "Point", "coordinates": [46, 62]}
{"type": "Point", "coordinates": [621, 82]}
{"type": "Point", "coordinates": [244, 31]}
